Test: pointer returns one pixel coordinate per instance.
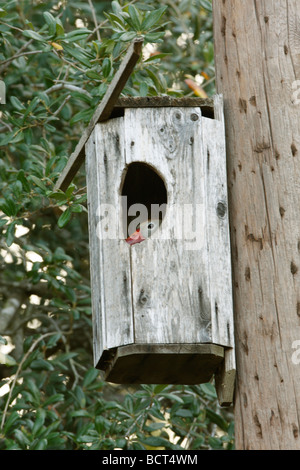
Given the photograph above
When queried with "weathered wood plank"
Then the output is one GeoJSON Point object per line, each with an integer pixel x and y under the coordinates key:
{"type": "Point", "coordinates": [169, 271]}
{"type": "Point", "coordinates": [109, 257]}
{"type": "Point", "coordinates": [217, 226]}
{"type": "Point", "coordinates": [102, 112]}
{"type": "Point", "coordinates": [94, 248]}
{"type": "Point", "coordinates": [225, 378]}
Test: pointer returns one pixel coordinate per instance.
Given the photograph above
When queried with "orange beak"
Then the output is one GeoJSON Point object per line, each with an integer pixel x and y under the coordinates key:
{"type": "Point", "coordinates": [136, 237]}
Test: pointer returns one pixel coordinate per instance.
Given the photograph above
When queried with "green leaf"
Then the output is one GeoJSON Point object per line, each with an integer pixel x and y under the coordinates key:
{"type": "Point", "coordinates": [38, 182]}
{"type": "Point", "coordinates": [80, 396]}
{"type": "Point", "coordinates": [121, 443]}
{"type": "Point", "coordinates": [3, 221]}
{"type": "Point", "coordinates": [154, 37]}
{"type": "Point", "coordinates": [59, 29]}
{"type": "Point", "coordinates": [41, 364]}
{"type": "Point", "coordinates": [7, 139]}
{"type": "Point", "coordinates": [78, 53]}
{"type": "Point", "coordinates": [209, 390]}
{"type": "Point", "coordinates": [217, 419]}
{"type": "Point", "coordinates": [22, 178]}
{"type": "Point", "coordinates": [156, 57]}
{"type": "Point", "coordinates": [51, 22]}
{"type": "Point", "coordinates": [32, 105]}
{"type": "Point", "coordinates": [33, 35]}
{"type": "Point", "coordinates": [93, 75]}
{"type": "Point", "coordinates": [3, 340]}
{"type": "Point", "coordinates": [10, 234]}
{"type": "Point", "coordinates": [53, 340]}
{"type": "Point", "coordinates": [80, 413]}
{"type": "Point", "coordinates": [106, 67]}
{"type": "Point", "coordinates": [21, 438]}
{"type": "Point", "coordinates": [153, 441]}
{"type": "Point", "coordinates": [17, 103]}
{"type": "Point", "coordinates": [120, 25]}
{"type": "Point", "coordinates": [143, 89]}
{"type": "Point", "coordinates": [77, 34]}
{"type": "Point", "coordinates": [116, 7]}
{"type": "Point", "coordinates": [54, 399]}
{"type": "Point", "coordinates": [58, 196]}
{"type": "Point", "coordinates": [7, 360]}
{"type": "Point", "coordinates": [89, 377]}
{"type": "Point", "coordinates": [77, 208]}
{"type": "Point", "coordinates": [39, 421]}
{"type": "Point", "coordinates": [60, 255]}
{"type": "Point", "coordinates": [134, 16]}
{"type": "Point", "coordinates": [84, 115]}
{"type": "Point", "coordinates": [64, 218]}
{"type": "Point", "coordinates": [173, 397]}
{"type": "Point", "coordinates": [152, 18]}
{"type": "Point", "coordinates": [155, 426]}
{"type": "Point", "coordinates": [184, 413]}
{"type": "Point", "coordinates": [70, 190]}
{"type": "Point", "coordinates": [128, 36]}
{"type": "Point", "coordinates": [215, 443]}
{"type": "Point", "coordinates": [40, 444]}
{"type": "Point", "coordinates": [206, 4]}
{"type": "Point", "coordinates": [159, 388]}
{"type": "Point", "coordinates": [9, 207]}
{"type": "Point", "coordinates": [12, 419]}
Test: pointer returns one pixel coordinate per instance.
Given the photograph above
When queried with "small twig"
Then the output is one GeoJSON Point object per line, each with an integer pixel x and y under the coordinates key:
{"type": "Point", "coordinates": [62, 105]}
{"type": "Point", "coordinates": [12, 27]}
{"type": "Point", "coordinates": [60, 86]}
{"type": "Point", "coordinates": [18, 372]}
{"type": "Point", "coordinates": [18, 55]}
{"type": "Point", "coordinates": [6, 126]}
{"type": "Point", "coordinates": [94, 19]}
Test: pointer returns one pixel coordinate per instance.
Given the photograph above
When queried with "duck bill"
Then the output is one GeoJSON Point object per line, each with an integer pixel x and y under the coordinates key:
{"type": "Point", "coordinates": [136, 237]}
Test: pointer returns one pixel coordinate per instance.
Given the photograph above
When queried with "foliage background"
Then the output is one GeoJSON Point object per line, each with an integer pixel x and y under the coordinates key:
{"type": "Point", "coordinates": [57, 59]}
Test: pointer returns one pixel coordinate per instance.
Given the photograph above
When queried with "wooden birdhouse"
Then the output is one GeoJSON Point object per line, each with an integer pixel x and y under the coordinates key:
{"type": "Point", "coordinates": [159, 237]}
{"type": "Point", "coordinates": [159, 243]}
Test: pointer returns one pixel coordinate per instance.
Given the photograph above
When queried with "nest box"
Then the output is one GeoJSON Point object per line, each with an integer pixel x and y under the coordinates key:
{"type": "Point", "coordinates": [162, 304]}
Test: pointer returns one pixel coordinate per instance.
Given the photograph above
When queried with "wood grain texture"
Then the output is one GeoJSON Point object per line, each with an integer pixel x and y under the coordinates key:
{"type": "Point", "coordinates": [173, 279]}
{"type": "Point", "coordinates": [257, 63]}
{"type": "Point", "coordinates": [109, 258]}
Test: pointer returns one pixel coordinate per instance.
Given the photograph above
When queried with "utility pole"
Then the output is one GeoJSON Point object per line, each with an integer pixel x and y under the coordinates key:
{"type": "Point", "coordinates": [257, 56]}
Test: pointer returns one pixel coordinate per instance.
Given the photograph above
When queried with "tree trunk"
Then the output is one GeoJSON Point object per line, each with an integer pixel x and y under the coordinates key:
{"type": "Point", "coordinates": [257, 55]}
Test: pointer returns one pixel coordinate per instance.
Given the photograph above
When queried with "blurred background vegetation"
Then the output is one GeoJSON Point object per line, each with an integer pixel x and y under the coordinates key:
{"type": "Point", "coordinates": [57, 59]}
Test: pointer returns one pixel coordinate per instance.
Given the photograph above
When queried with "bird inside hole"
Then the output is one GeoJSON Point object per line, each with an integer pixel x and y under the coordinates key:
{"type": "Point", "coordinates": [143, 231]}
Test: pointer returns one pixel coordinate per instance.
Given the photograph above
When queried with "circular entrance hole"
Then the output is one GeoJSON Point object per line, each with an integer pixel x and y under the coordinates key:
{"type": "Point", "coordinates": [144, 198]}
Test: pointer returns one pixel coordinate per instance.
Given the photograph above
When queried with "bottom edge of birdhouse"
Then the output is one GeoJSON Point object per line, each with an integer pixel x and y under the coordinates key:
{"type": "Point", "coordinates": [186, 364]}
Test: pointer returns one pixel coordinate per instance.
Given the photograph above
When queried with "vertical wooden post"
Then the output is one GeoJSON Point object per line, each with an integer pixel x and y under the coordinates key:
{"type": "Point", "coordinates": [257, 55]}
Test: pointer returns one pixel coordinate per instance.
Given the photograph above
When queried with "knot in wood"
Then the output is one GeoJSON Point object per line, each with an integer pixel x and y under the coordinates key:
{"type": "Point", "coordinates": [221, 210]}
{"type": "Point", "coordinates": [143, 299]}
{"type": "Point", "coordinates": [194, 117]}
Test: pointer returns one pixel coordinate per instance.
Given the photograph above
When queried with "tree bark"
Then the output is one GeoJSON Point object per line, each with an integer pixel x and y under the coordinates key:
{"type": "Point", "coordinates": [257, 55]}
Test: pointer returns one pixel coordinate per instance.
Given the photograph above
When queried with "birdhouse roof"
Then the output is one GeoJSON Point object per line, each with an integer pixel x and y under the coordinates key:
{"type": "Point", "coordinates": [206, 104]}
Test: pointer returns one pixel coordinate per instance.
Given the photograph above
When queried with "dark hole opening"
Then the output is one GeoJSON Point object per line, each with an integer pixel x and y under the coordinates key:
{"type": "Point", "coordinates": [142, 185]}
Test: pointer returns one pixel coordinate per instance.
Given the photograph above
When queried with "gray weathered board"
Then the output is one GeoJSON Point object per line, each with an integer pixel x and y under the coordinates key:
{"type": "Point", "coordinates": [164, 291]}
